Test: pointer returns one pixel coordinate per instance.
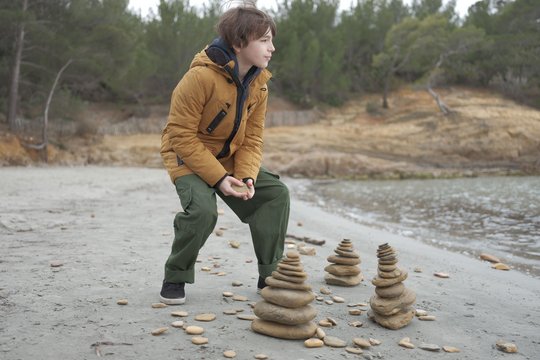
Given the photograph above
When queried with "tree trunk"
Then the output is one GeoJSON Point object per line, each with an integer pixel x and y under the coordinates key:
{"type": "Point", "coordinates": [385, 91]}
{"type": "Point", "coordinates": [15, 72]}
{"type": "Point", "coordinates": [442, 106]}
{"type": "Point", "coordinates": [44, 136]}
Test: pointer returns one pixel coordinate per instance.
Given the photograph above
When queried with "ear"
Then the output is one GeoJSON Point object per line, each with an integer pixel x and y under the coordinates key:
{"type": "Point", "coordinates": [236, 49]}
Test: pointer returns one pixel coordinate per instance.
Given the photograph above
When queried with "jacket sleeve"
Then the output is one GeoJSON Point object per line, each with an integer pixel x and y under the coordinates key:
{"type": "Point", "coordinates": [247, 159]}
{"type": "Point", "coordinates": [187, 104]}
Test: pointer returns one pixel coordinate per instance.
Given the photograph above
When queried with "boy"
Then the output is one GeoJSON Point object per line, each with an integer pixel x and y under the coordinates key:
{"type": "Point", "coordinates": [213, 142]}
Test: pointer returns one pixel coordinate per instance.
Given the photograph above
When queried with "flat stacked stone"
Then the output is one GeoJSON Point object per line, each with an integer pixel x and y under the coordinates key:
{"type": "Point", "coordinates": [286, 312]}
{"type": "Point", "coordinates": [391, 306]}
{"type": "Point", "coordinates": [344, 269]}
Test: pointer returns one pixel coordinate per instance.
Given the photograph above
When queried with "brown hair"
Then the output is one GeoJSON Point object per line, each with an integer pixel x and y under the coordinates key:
{"type": "Point", "coordinates": [240, 25]}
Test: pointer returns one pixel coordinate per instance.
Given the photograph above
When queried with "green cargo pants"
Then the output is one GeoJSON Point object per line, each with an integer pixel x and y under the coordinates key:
{"type": "Point", "coordinates": [267, 214]}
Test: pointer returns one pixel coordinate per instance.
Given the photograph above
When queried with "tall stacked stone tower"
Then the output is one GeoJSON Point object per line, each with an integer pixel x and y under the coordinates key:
{"type": "Point", "coordinates": [391, 306]}
{"type": "Point", "coordinates": [285, 311]}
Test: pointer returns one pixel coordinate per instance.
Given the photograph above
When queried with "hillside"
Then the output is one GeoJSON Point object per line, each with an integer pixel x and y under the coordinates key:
{"type": "Point", "coordinates": [486, 134]}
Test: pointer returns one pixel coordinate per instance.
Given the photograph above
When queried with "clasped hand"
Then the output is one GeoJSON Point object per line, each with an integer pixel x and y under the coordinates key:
{"type": "Point", "coordinates": [226, 187]}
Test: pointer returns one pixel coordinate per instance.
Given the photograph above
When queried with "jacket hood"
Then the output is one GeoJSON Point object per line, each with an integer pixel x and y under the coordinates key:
{"type": "Point", "coordinates": [219, 55]}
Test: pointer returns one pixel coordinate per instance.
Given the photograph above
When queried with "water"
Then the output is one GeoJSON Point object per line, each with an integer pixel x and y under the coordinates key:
{"type": "Point", "coordinates": [495, 215]}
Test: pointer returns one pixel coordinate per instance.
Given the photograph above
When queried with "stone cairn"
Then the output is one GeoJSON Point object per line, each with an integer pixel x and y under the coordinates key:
{"type": "Point", "coordinates": [285, 312]}
{"type": "Point", "coordinates": [391, 306]}
{"type": "Point", "coordinates": [344, 270]}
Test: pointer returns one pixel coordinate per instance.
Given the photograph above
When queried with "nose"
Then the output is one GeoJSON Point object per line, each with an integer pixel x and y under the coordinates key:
{"type": "Point", "coordinates": [271, 47]}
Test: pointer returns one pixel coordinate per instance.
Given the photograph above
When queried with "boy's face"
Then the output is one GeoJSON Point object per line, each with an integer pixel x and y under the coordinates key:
{"type": "Point", "coordinates": [258, 52]}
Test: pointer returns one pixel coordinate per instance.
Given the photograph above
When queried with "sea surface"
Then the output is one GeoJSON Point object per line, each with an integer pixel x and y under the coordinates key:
{"type": "Point", "coordinates": [495, 215]}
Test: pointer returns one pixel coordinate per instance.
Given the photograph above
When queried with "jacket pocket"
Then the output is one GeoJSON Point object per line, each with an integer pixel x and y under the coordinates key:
{"type": "Point", "coordinates": [217, 119]}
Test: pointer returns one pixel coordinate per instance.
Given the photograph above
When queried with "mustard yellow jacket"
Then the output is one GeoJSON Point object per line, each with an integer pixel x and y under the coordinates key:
{"type": "Point", "coordinates": [215, 124]}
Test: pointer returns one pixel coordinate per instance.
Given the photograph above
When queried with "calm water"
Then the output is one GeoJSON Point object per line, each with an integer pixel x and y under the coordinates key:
{"type": "Point", "coordinates": [497, 215]}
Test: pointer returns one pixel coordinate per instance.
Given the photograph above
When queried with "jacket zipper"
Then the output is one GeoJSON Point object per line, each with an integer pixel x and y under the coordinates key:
{"type": "Point", "coordinates": [238, 116]}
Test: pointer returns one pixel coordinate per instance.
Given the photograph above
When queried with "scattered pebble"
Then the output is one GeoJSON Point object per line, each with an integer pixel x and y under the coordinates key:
{"type": "Point", "coordinates": [261, 357]}
{"type": "Point", "coordinates": [221, 273]}
{"type": "Point", "coordinates": [239, 298]}
{"type": "Point", "coordinates": [307, 250]}
{"type": "Point", "coordinates": [229, 312]}
{"type": "Point", "coordinates": [177, 324]}
{"type": "Point", "coordinates": [159, 305]}
{"type": "Point", "coordinates": [506, 347]}
{"type": "Point", "coordinates": [179, 313]}
{"type": "Point", "coordinates": [333, 341]}
{"type": "Point", "coordinates": [500, 266]}
{"type": "Point", "coordinates": [229, 354]}
{"type": "Point", "coordinates": [248, 317]}
{"type": "Point", "coordinates": [56, 263]}
{"type": "Point", "coordinates": [427, 318]}
{"type": "Point", "coordinates": [248, 261]}
{"type": "Point", "coordinates": [450, 349]}
{"type": "Point", "coordinates": [328, 302]}
{"type": "Point", "coordinates": [227, 294]}
{"type": "Point", "coordinates": [234, 244]}
{"type": "Point", "coordinates": [206, 268]}
{"type": "Point", "coordinates": [237, 283]}
{"type": "Point", "coordinates": [325, 323]}
{"type": "Point", "coordinates": [406, 343]}
{"type": "Point", "coordinates": [194, 330]}
{"type": "Point", "coordinates": [417, 269]}
{"type": "Point", "coordinates": [122, 302]}
{"type": "Point", "coordinates": [319, 298]}
{"type": "Point", "coordinates": [199, 340]}
{"type": "Point", "coordinates": [420, 312]}
{"type": "Point", "coordinates": [219, 233]}
{"type": "Point", "coordinates": [442, 275]}
{"type": "Point", "coordinates": [320, 333]}
{"type": "Point", "coordinates": [356, 324]}
{"type": "Point", "coordinates": [325, 291]}
{"type": "Point", "coordinates": [353, 350]}
{"type": "Point", "coordinates": [355, 312]}
{"type": "Point", "coordinates": [159, 331]}
{"type": "Point", "coordinates": [313, 343]}
{"type": "Point", "coordinates": [489, 258]}
{"type": "Point", "coordinates": [338, 299]}
{"type": "Point", "coordinates": [363, 343]}
{"type": "Point", "coordinates": [374, 342]}
{"type": "Point", "coordinates": [291, 246]}
{"type": "Point", "coordinates": [429, 347]}
{"type": "Point", "coordinates": [332, 321]}
{"type": "Point", "coordinates": [299, 223]}
{"type": "Point", "coordinates": [221, 211]}
{"type": "Point", "coordinates": [205, 317]}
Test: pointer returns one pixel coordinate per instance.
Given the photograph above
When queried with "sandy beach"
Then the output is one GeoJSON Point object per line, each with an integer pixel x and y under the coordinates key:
{"type": "Point", "coordinates": [109, 231]}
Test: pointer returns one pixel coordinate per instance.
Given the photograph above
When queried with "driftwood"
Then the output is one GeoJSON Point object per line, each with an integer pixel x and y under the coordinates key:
{"type": "Point", "coordinates": [97, 345]}
{"type": "Point", "coordinates": [306, 239]}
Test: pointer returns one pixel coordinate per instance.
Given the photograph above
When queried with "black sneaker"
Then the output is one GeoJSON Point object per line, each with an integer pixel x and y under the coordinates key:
{"type": "Point", "coordinates": [172, 294]}
{"type": "Point", "coordinates": [261, 284]}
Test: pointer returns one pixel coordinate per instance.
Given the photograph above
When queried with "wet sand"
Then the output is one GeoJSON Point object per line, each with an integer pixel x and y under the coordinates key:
{"type": "Point", "coordinates": [111, 230]}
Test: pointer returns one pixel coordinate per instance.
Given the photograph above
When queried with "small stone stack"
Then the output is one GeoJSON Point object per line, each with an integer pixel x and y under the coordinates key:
{"type": "Point", "coordinates": [344, 270]}
{"type": "Point", "coordinates": [285, 312]}
{"type": "Point", "coordinates": [392, 303]}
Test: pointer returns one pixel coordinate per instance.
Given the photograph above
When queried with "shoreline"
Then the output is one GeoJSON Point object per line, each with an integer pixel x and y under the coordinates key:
{"type": "Point", "coordinates": [111, 229]}
{"type": "Point", "coordinates": [432, 237]}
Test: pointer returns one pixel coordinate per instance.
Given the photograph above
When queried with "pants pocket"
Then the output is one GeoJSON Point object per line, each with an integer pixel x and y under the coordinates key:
{"type": "Point", "coordinates": [184, 193]}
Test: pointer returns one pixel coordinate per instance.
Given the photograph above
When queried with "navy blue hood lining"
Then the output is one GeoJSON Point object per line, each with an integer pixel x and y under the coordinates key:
{"type": "Point", "coordinates": [221, 54]}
